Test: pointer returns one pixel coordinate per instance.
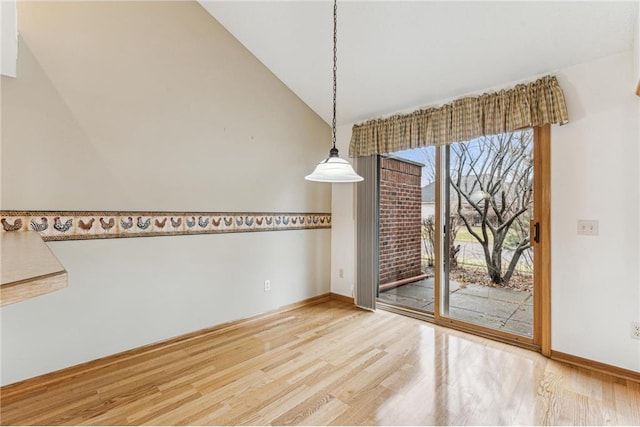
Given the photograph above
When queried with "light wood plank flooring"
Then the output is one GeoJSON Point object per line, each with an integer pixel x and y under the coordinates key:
{"type": "Point", "coordinates": [326, 364]}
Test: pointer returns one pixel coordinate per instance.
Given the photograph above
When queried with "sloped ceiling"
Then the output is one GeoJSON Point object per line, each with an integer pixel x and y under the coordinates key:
{"type": "Point", "coordinates": [398, 55]}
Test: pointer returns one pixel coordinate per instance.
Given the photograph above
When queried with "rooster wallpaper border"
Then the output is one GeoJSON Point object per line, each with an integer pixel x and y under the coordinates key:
{"type": "Point", "coordinates": [84, 225]}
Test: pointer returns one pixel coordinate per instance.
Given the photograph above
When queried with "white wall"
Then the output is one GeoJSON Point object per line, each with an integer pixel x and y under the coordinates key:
{"type": "Point", "coordinates": [594, 175]}
{"type": "Point", "coordinates": [636, 53]}
{"type": "Point", "coordinates": [636, 46]}
{"type": "Point", "coordinates": [152, 106]}
{"type": "Point", "coordinates": [8, 38]}
{"type": "Point", "coordinates": [343, 231]}
{"type": "Point", "coordinates": [595, 163]}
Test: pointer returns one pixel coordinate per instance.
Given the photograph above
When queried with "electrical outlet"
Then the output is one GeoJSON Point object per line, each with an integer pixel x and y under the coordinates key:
{"type": "Point", "coordinates": [635, 330]}
{"type": "Point", "coordinates": [267, 285]}
{"type": "Point", "coordinates": [588, 227]}
{"type": "Point", "coordinates": [341, 273]}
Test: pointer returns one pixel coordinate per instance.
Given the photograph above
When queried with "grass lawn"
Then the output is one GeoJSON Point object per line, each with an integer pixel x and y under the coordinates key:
{"type": "Point", "coordinates": [471, 262]}
{"type": "Point", "coordinates": [464, 235]}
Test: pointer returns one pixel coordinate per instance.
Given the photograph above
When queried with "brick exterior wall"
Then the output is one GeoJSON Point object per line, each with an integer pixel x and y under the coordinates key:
{"type": "Point", "coordinates": [400, 220]}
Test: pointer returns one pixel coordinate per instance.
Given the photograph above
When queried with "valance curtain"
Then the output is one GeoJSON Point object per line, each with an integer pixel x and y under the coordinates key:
{"type": "Point", "coordinates": [534, 104]}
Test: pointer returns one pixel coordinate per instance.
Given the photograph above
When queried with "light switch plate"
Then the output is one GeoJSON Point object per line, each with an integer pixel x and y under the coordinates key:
{"type": "Point", "coordinates": [588, 227]}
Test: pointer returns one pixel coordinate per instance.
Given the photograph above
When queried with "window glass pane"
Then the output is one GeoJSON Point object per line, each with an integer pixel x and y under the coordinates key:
{"type": "Point", "coordinates": [407, 229]}
{"type": "Point", "coordinates": [490, 206]}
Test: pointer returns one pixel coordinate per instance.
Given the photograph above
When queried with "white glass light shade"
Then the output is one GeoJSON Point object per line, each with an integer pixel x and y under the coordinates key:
{"type": "Point", "coordinates": [334, 169]}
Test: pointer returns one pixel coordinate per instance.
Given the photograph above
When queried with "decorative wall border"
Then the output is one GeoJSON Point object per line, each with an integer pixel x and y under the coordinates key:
{"type": "Point", "coordinates": [83, 225]}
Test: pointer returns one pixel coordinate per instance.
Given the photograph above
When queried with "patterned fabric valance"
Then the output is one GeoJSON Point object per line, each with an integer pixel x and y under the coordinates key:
{"type": "Point", "coordinates": [533, 104]}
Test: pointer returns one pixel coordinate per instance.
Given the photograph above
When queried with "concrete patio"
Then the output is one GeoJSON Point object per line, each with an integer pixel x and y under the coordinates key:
{"type": "Point", "coordinates": [507, 310]}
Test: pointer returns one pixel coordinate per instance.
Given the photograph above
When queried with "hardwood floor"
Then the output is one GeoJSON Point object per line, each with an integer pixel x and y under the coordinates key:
{"type": "Point", "coordinates": [325, 364]}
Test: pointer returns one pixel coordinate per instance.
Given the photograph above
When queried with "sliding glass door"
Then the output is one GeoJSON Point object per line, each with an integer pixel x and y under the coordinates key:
{"type": "Point", "coordinates": [483, 209]}
{"type": "Point", "coordinates": [486, 206]}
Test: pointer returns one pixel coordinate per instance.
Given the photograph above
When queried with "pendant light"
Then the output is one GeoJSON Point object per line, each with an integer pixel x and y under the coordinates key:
{"type": "Point", "coordinates": [333, 169]}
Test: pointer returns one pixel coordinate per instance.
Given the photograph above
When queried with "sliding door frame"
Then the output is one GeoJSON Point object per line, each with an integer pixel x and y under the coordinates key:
{"type": "Point", "coordinates": [542, 250]}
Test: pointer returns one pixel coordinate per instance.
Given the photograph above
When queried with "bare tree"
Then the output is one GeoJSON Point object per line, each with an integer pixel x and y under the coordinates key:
{"type": "Point", "coordinates": [429, 240]}
{"type": "Point", "coordinates": [427, 156]}
{"type": "Point", "coordinates": [493, 182]}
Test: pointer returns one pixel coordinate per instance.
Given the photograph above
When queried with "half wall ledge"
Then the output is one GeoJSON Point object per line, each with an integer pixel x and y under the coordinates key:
{"type": "Point", "coordinates": [28, 268]}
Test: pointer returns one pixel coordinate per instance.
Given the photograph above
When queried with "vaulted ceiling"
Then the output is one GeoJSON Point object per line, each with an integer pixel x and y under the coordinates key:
{"type": "Point", "coordinates": [398, 55]}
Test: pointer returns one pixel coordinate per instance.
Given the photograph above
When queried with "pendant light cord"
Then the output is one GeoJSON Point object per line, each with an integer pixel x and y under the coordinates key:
{"type": "Point", "coordinates": [333, 169]}
{"type": "Point", "coordinates": [335, 67]}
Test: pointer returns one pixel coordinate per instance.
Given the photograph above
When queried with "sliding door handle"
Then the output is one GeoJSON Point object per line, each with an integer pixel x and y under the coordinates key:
{"type": "Point", "coordinates": [535, 231]}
